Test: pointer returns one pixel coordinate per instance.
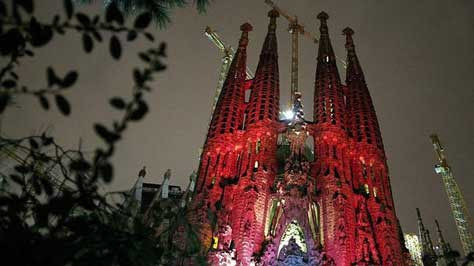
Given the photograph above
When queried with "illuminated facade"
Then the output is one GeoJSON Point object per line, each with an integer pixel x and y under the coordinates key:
{"type": "Point", "coordinates": [278, 201]}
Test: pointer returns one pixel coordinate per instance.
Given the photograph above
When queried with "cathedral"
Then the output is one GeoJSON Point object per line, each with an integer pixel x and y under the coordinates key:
{"type": "Point", "coordinates": [288, 191]}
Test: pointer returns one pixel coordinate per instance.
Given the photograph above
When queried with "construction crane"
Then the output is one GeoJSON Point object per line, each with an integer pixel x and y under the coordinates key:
{"type": "Point", "coordinates": [294, 28]}
{"type": "Point", "coordinates": [226, 60]}
{"type": "Point", "coordinates": [456, 200]}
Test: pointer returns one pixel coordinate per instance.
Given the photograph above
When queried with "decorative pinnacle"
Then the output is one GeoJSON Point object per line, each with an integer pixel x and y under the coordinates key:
{"type": "Point", "coordinates": [273, 13]}
{"type": "Point", "coordinates": [323, 16]}
{"type": "Point", "coordinates": [244, 38]}
{"type": "Point", "coordinates": [349, 42]}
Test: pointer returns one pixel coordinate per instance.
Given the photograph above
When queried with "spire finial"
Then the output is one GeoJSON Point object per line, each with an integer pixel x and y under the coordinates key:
{"type": "Point", "coordinates": [349, 41]}
{"type": "Point", "coordinates": [272, 14]}
{"type": "Point", "coordinates": [323, 16]}
{"type": "Point", "coordinates": [244, 38]}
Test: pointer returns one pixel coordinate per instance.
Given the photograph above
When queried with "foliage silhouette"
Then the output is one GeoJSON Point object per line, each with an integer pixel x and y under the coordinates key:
{"type": "Point", "coordinates": [51, 209]}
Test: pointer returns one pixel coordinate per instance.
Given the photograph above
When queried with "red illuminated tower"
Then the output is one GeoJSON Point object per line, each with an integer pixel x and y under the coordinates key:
{"type": "Point", "coordinates": [264, 197]}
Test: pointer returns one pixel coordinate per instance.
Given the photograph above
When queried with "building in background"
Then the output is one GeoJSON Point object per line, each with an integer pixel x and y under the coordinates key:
{"type": "Point", "coordinates": [414, 247]}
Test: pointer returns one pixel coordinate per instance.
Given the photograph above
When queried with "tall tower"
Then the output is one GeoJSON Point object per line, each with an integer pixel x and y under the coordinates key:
{"type": "Point", "coordinates": [456, 200]}
{"type": "Point", "coordinates": [261, 197]}
{"type": "Point", "coordinates": [368, 165]}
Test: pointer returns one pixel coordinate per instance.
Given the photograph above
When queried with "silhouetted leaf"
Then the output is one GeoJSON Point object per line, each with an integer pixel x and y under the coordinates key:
{"type": "Point", "coordinates": [139, 112]}
{"type": "Point", "coordinates": [9, 83]}
{"type": "Point", "coordinates": [87, 42]}
{"type": "Point", "coordinates": [131, 35]}
{"type": "Point", "coordinates": [52, 78]}
{"type": "Point", "coordinates": [21, 169]}
{"type": "Point", "coordinates": [69, 80]}
{"type": "Point", "coordinates": [115, 47]}
{"type": "Point", "coordinates": [80, 165]}
{"type": "Point", "coordinates": [118, 103]}
{"type": "Point", "coordinates": [4, 99]}
{"type": "Point", "coordinates": [149, 36]}
{"type": "Point", "coordinates": [137, 76]}
{"type": "Point", "coordinates": [12, 41]}
{"type": "Point", "coordinates": [104, 133]}
{"type": "Point", "coordinates": [97, 35]}
{"type": "Point", "coordinates": [162, 49]}
{"type": "Point", "coordinates": [17, 179]}
{"type": "Point", "coordinates": [106, 172]}
{"type": "Point", "coordinates": [47, 186]}
{"type": "Point", "coordinates": [63, 104]}
{"type": "Point", "coordinates": [83, 19]}
{"type": "Point", "coordinates": [27, 5]}
{"type": "Point", "coordinates": [143, 21]}
{"type": "Point", "coordinates": [33, 144]}
{"type": "Point", "coordinates": [69, 8]}
{"type": "Point", "coordinates": [40, 35]}
{"type": "Point", "coordinates": [114, 14]}
{"type": "Point", "coordinates": [44, 102]}
{"type": "Point", "coordinates": [144, 57]}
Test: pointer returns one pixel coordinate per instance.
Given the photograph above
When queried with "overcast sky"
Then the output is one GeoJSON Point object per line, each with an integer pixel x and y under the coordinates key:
{"type": "Point", "coordinates": [417, 57]}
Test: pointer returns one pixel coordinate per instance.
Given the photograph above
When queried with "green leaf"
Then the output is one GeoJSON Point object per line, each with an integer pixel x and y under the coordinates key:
{"type": "Point", "coordinates": [63, 104]}
{"type": "Point", "coordinates": [143, 21]}
{"type": "Point", "coordinates": [115, 47]}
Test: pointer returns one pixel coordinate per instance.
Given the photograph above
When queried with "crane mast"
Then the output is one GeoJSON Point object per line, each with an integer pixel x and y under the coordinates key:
{"type": "Point", "coordinates": [295, 28]}
{"type": "Point", "coordinates": [456, 200]}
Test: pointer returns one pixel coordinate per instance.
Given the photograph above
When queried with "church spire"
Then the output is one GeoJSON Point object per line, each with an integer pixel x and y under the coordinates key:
{"type": "Point", "coordinates": [328, 97]}
{"type": "Point", "coordinates": [228, 115]}
{"type": "Point", "coordinates": [265, 92]}
{"type": "Point", "coordinates": [362, 122]}
{"type": "Point", "coordinates": [354, 70]}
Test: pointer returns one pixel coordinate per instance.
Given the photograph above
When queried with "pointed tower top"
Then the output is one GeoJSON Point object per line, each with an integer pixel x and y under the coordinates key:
{"type": "Point", "coordinates": [273, 13]}
{"type": "Point", "coordinates": [323, 16]}
{"type": "Point", "coordinates": [349, 42]}
{"type": "Point", "coordinates": [244, 38]}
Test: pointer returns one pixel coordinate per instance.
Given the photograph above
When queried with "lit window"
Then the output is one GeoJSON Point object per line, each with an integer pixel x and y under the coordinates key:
{"type": "Point", "coordinates": [215, 242]}
{"type": "Point", "coordinates": [367, 189]}
{"type": "Point", "coordinates": [327, 58]}
{"type": "Point", "coordinates": [375, 192]}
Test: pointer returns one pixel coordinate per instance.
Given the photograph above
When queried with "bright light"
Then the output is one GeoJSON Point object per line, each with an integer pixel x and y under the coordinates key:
{"type": "Point", "coordinates": [288, 114]}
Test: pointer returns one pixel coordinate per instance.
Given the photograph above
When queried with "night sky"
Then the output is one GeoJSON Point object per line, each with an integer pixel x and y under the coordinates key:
{"type": "Point", "coordinates": [417, 58]}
